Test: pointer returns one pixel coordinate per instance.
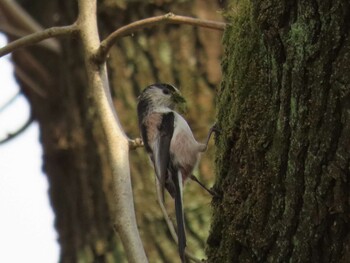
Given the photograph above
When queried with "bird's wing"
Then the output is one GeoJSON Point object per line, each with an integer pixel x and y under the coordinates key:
{"type": "Point", "coordinates": [169, 176]}
{"type": "Point", "coordinates": [162, 151]}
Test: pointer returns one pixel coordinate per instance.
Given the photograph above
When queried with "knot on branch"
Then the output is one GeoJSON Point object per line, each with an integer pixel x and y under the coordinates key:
{"type": "Point", "coordinates": [136, 143]}
{"type": "Point", "coordinates": [169, 15]}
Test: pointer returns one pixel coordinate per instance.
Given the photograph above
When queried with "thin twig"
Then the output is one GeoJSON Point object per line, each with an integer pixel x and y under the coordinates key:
{"type": "Point", "coordinates": [23, 19]}
{"type": "Point", "coordinates": [12, 135]}
{"type": "Point", "coordinates": [19, 18]}
{"type": "Point", "coordinates": [17, 33]}
{"type": "Point", "coordinates": [10, 101]}
{"type": "Point", "coordinates": [170, 223]}
{"type": "Point", "coordinates": [169, 18]}
{"type": "Point", "coordinates": [37, 37]}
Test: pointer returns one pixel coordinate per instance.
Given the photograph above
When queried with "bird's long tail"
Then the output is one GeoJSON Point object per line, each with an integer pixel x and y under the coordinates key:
{"type": "Point", "coordinates": [177, 179]}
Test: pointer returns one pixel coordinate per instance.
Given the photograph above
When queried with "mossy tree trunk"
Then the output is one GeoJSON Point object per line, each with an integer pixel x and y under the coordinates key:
{"type": "Point", "coordinates": [74, 158]}
{"type": "Point", "coordinates": [283, 155]}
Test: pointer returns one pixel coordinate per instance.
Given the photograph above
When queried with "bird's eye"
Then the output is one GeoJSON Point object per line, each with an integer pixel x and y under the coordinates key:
{"type": "Point", "coordinates": [166, 91]}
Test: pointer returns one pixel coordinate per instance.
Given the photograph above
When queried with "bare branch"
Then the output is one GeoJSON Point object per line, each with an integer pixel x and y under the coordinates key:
{"type": "Point", "coordinates": [10, 101]}
{"type": "Point", "coordinates": [117, 142]}
{"type": "Point", "coordinates": [24, 21]}
{"type": "Point", "coordinates": [37, 37]}
{"type": "Point", "coordinates": [18, 18]}
{"type": "Point", "coordinates": [169, 18]}
{"type": "Point", "coordinates": [17, 33]}
{"type": "Point", "coordinates": [12, 135]}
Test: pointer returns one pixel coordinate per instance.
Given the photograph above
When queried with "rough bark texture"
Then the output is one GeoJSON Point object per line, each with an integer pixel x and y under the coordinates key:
{"type": "Point", "coordinates": [283, 155]}
{"type": "Point", "coordinates": [74, 151]}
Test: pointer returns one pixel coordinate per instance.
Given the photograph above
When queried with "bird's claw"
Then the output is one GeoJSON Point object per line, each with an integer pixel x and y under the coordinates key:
{"type": "Point", "coordinates": [215, 128]}
{"type": "Point", "coordinates": [214, 194]}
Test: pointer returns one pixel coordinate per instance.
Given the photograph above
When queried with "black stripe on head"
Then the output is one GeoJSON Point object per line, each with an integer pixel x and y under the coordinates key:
{"type": "Point", "coordinates": [166, 87]}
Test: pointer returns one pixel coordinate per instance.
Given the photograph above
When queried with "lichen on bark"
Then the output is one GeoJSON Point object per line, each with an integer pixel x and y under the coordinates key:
{"type": "Point", "coordinates": [283, 152]}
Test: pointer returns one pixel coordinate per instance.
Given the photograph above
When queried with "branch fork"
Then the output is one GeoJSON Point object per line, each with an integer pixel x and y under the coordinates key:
{"type": "Point", "coordinates": [118, 144]}
{"type": "Point", "coordinates": [168, 18]}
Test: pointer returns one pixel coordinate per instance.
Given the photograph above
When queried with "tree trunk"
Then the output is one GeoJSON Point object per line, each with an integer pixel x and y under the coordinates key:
{"type": "Point", "coordinates": [74, 147]}
{"type": "Point", "coordinates": [283, 154]}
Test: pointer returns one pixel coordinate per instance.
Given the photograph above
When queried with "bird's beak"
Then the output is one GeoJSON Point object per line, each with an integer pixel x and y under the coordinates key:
{"type": "Point", "coordinates": [180, 102]}
{"type": "Point", "coordinates": [177, 98]}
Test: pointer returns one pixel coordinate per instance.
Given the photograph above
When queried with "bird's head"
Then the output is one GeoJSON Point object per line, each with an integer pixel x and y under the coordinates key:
{"type": "Point", "coordinates": [162, 96]}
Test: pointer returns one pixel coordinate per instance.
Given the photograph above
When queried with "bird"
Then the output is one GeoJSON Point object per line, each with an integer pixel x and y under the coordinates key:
{"type": "Point", "coordinates": [170, 145]}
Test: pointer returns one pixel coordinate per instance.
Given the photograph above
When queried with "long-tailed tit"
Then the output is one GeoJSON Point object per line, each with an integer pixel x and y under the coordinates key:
{"type": "Point", "coordinates": [170, 144]}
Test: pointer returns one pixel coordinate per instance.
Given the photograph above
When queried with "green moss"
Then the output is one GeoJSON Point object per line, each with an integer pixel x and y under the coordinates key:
{"type": "Point", "coordinates": [243, 99]}
{"type": "Point", "coordinates": [293, 107]}
{"type": "Point", "coordinates": [298, 34]}
{"type": "Point", "coordinates": [234, 65]}
{"type": "Point", "coordinates": [282, 126]}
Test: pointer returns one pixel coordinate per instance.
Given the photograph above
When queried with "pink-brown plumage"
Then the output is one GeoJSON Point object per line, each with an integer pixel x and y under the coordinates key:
{"type": "Point", "coordinates": [171, 146]}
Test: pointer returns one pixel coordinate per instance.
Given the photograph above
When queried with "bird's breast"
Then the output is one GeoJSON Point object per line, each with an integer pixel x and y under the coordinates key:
{"type": "Point", "coordinates": [184, 149]}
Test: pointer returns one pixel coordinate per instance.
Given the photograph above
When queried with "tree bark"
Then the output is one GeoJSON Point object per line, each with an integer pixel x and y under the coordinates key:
{"type": "Point", "coordinates": [74, 147]}
{"type": "Point", "coordinates": [283, 154]}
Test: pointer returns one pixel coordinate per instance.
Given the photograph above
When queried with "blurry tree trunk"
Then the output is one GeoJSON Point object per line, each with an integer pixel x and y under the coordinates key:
{"type": "Point", "coordinates": [283, 155]}
{"type": "Point", "coordinates": [74, 152]}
